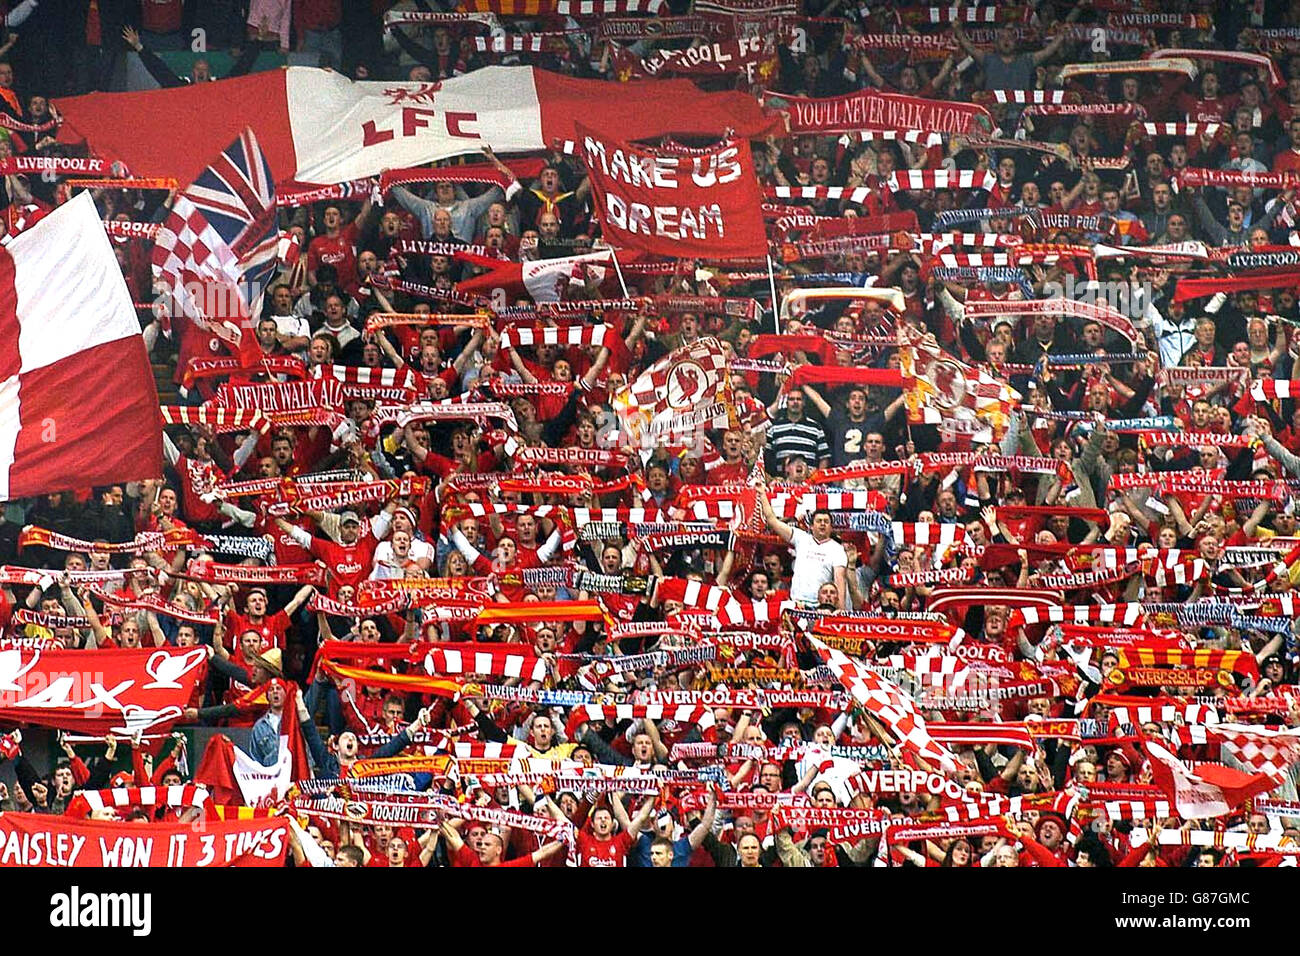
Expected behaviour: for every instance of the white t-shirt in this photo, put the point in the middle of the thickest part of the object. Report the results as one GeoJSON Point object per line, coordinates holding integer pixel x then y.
{"type": "Point", "coordinates": [814, 565]}
{"type": "Point", "coordinates": [386, 564]}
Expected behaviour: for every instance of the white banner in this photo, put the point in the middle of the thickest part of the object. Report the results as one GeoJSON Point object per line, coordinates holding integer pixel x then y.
{"type": "Point", "coordinates": [376, 125]}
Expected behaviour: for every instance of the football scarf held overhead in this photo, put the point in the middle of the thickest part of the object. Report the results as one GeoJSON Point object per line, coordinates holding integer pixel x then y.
{"type": "Point", "coordinates": [1252, 60]}
{"type": "Point", "coordinates": [156, 603]}
{"type": "Point", "coordinates": [639, 28]}
{"type": "Point", "coordinates": [483, 173]}
{"type": "Point", "coordinates": [283, 396]}
{"type": "Point", "coordinates": [407, 683]}
{"type": "Point", "coordinates": [1188, 289]}
{"type": "Point", "coordinates": [1163, 65]}
{"type": "Point", "coordinates": [144, 541]}
{"type": "Point", "coordinates": [524, 612]}
{"type": "Point", "coordinates": [87, 801]}
{"type": "Point", "coordinates": [443, 320]}
{"type": "Point", "coordinates": [246, 574]}
{"type": "Point", "coordinates": [294, 195]}
{"type": "Point", "coordinates": [200, 368]}
{"type": "Point", "coordinates": [1096, 311]}
{"type": "Point", "coordinates": [393, 604]}
{"type": "Point", "coordinates": [837, 375]}
{"type": "Point", "coordinates": [1241, 662]}
{"type": "Point", "coordinates": [352, 493]}
{"type": "Point", "coordinates": [756, 57]}
{"type": "Point", "coordinates": [59, 165]}
{"type": "Point", "coordinates": [492, 660]}
{"type": "Point", "coordinates": [588, 457]}
{"type": "Point", "coordinates": [397, 386]}
{"type": "Point", "coordinates": [581, 336]}
{"type": "Point", "coordinates": [868, 109]}
{"type": "Point", "coordinates": [46, 620]}
{"type": "Point", "coordinates": [220, 419]}
{"type": "Point", "coordinates": [1196, 176]}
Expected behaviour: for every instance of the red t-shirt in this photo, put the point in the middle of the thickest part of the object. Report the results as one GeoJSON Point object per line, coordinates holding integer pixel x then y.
{"type": "Point", "coordinates": [287, 550]}
{"type": "Point", "coordinates": [348, 563]}
{"type": "Point", "coordinates": [339, 251]}
{"type": "Point", "coordinates": [161, 16]}
{"type": "Point", "coordinates": [596, 852]}
{"type": "Point", "coordinates": [197, 478]}
{"type": "Point", "coordinates": [272, 628]}
{"type": "Point", "coordinates": [467, 857]}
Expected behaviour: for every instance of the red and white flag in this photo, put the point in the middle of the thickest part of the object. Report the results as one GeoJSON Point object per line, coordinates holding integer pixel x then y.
{"type": "Point", "coordinates": [1267, 751]}
{"type": "Point", "coordinates": [236, 777]}
{"type": "Point", "coordinates": [1211, 790]}
{"type": "Point", "coordinates": [546, 280]}
{"type": "Point", "coordinates": [939, 389]}
{"type": "Point", "coordinates": [889, 704]}
{"type": "Point", "coordinates": [122, 691]}
{"type": "Point", "coordinates": [317, 126]}
{"type": "Point", "coordinates": [68, 329]}
{"type": "Point", "coordinates": [684, 392]}
{"type": "Point", "coordinates": [673, 203]}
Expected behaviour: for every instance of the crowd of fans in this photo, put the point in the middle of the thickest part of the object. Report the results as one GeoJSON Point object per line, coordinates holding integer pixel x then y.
{"type": "Point", "coordinates": [1109, 180]}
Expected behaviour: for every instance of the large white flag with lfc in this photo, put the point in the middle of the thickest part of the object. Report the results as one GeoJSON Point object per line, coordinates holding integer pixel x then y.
{"type": "Point", "coordinates": [78, 404]}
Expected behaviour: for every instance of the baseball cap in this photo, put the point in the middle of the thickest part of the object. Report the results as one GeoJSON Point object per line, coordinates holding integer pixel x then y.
{"type": "Point", "coordinates": [349, 517]}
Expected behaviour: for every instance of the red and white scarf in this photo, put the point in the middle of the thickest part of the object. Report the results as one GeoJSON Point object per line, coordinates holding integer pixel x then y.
{"type": "Point", "coordinates": [142, 542]}
{"type": "Point", "coordinates": [199, 368]}
{"type": "Point", "coordinates": [252, 574]}
{"type": "Point", "coordinates": [293, 195]}
{"type": "Point", "coordinates": [572, 335]}
{"type": "Point", "coordinates": [1195, 176]}
{"type": "Point", "coordinates": [220, 419]}
{"type": "Point", "coordinates": [928, 179]}
{"type": "Point", "coordinates": [59, 165]}
{"type": "Point", "coordinates": [1181, 129]}
{"type": "Point", "coordinates": [351, 493]}
{"type": "Point", "coordinates": [155, 603]}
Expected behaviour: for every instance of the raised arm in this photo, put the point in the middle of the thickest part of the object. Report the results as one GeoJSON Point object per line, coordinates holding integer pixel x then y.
{"type": "Point", "coordinates": [783, 531]}
{"type": "Point", "coordinates": [706, 822]}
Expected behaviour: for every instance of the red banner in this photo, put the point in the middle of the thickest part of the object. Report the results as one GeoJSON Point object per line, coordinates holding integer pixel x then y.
{"type": "Point", "coordinates": [98, 692]}
{"type": "Point", "coordinates": [705, 203]}
{"type": "Point", "coordinates": [35, 839]}
{"type": "Point", "coordinates": [869, 109]}
{"type": "Point", "coordinates": [755, 57]}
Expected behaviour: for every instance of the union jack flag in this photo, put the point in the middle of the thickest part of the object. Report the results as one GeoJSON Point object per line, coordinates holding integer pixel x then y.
{"type": "Point", "coordinates": [218, 247]}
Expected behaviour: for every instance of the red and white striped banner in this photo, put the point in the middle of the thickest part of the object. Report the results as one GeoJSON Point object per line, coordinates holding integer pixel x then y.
{"type": "Point", "coordinates": [1181, 129]}
{"type": "Point", "coordinates": [851, 194]}
{"type": "Point", "coordinates": [1028, 96]}
{"type": "Point", "coordinates": [572, 335]}
{"type": "Point", "coordinates": [911, 179]}
{"type": "Point", "coordinates": [488, 659]}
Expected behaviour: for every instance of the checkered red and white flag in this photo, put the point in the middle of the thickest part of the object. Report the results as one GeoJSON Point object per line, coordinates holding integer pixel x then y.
{"type": "Point", "coordinates": [1208, 789]}
{"type": "Point", "coordinates": [888, 703]}
{"type": "Point", "coordinates": [1263, 750]}
{"type": "Point", "coordinates": [678, 396]}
